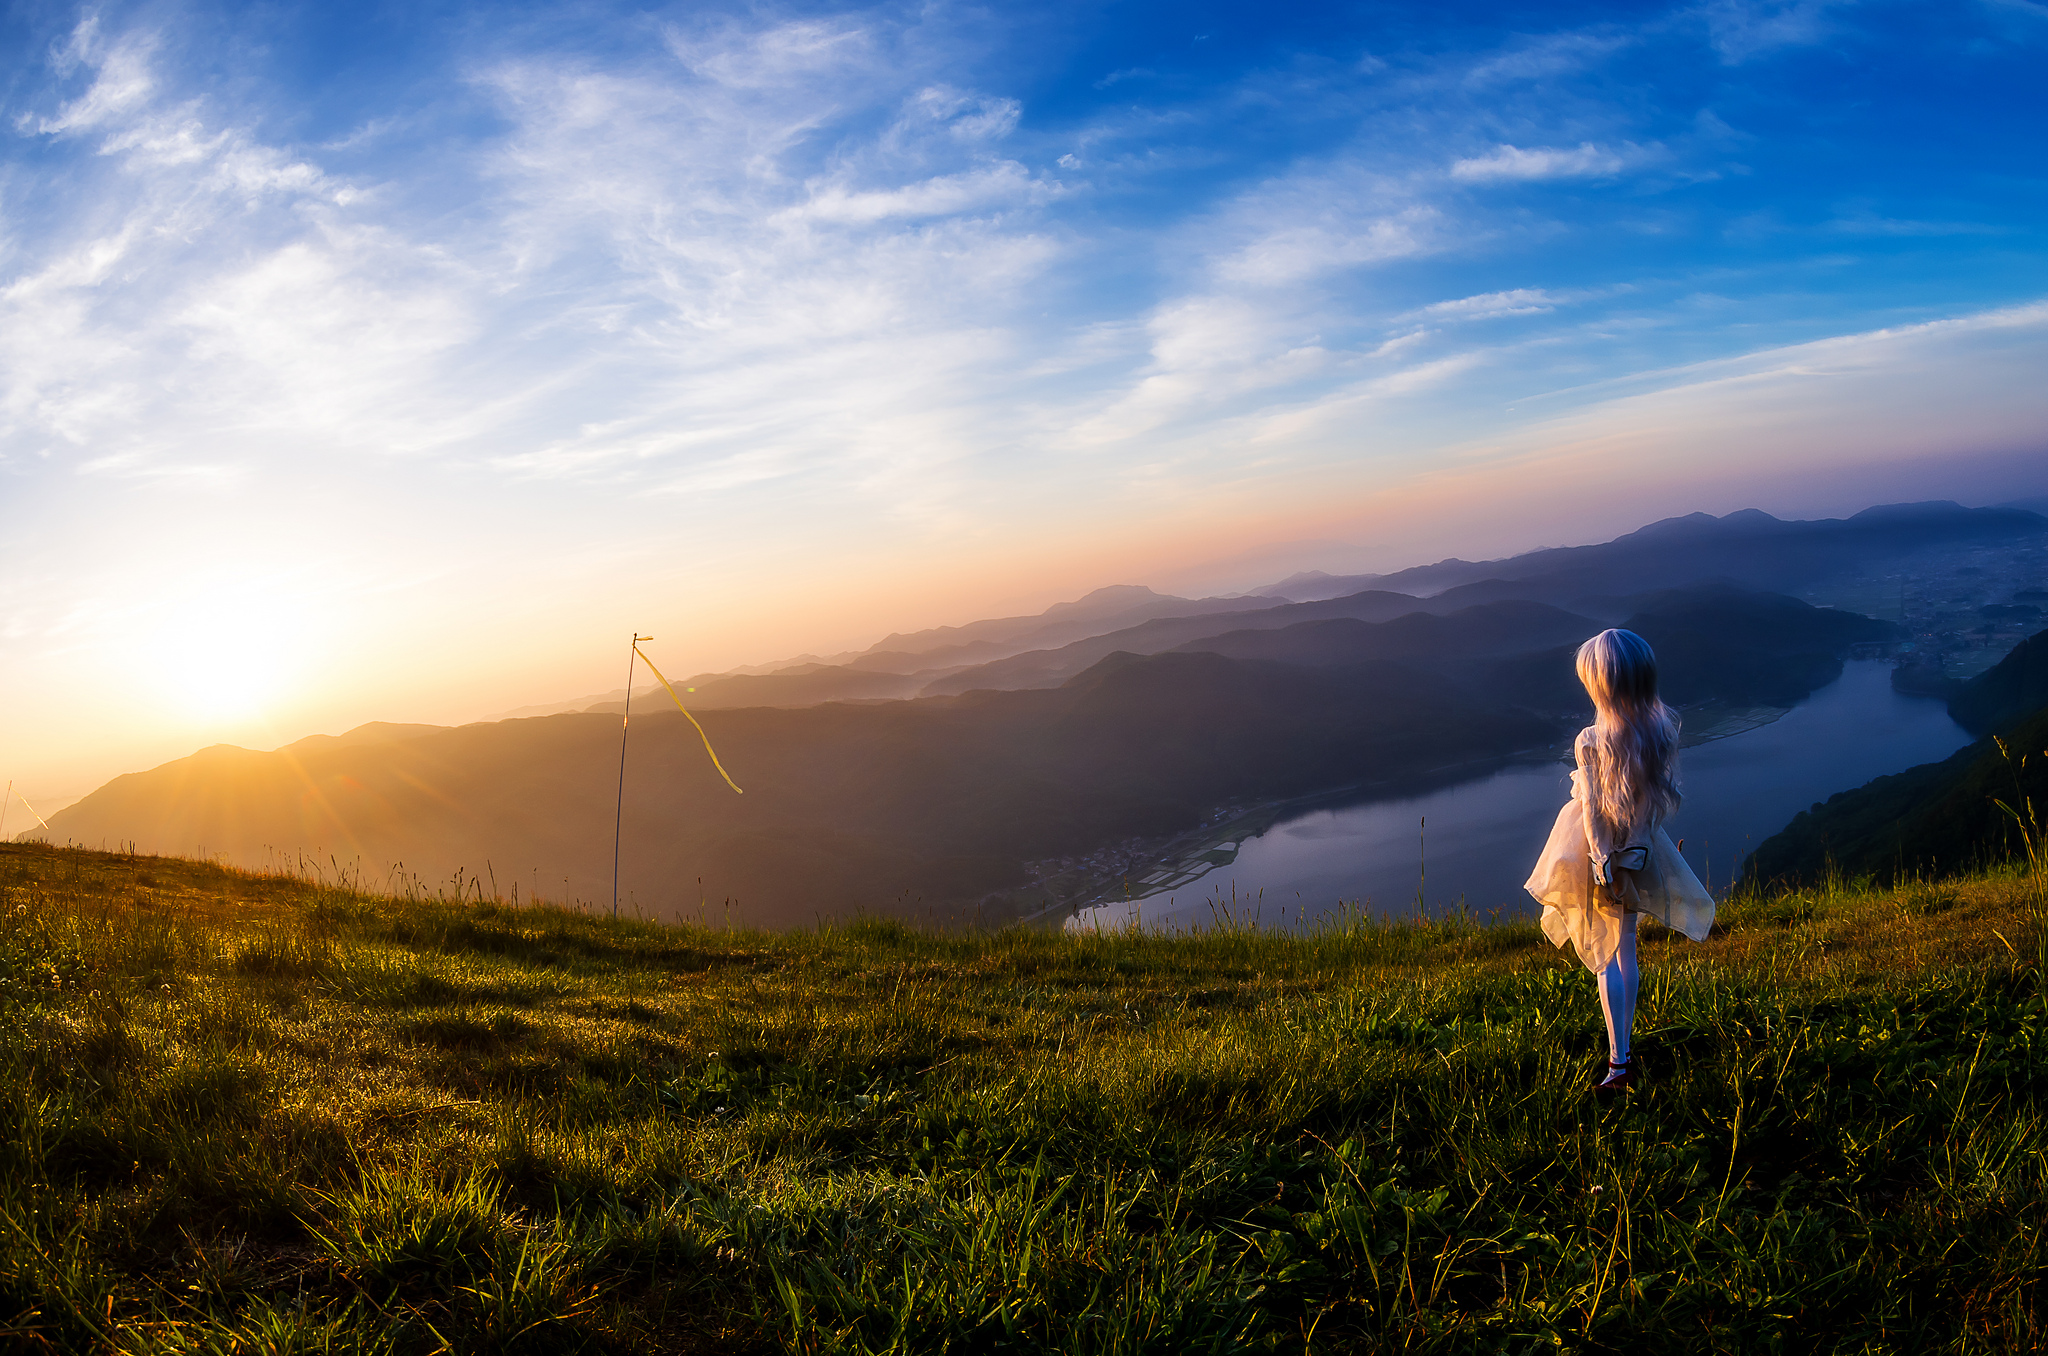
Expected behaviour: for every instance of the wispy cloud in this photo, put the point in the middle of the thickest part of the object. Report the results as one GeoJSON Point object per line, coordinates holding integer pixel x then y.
{"type": "Point", "coordinates": [1583, 161]}
{"type": "Point", "coordinates": [996, 186]}
{"type": "Point", "coordinates": [1129, 73]}
{"type": "Point", "coordinates": [1863, 221]}
{"type": "Point", "coordinates": [1487, 305]}
{"type": "Point", "coordinates": [1742, 29]}
{"type": "Point", "coordinates": [1546, 57]}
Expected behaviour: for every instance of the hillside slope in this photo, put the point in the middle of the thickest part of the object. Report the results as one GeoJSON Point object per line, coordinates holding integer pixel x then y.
{"type": "Point", "coordinates": [930, 807]}
{"type": "Point", "coordinates": [902, 806]}
{"type": "Point", "coordinates": [262, 1115]}
{"type": "Point", "coordinates": [1933, 819]}
{"type": "Point", "coordinates": [2007, 692]}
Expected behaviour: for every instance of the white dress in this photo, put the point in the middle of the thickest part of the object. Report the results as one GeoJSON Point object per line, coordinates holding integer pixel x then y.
{"type": "Point", "coordinates": [1575, 908]}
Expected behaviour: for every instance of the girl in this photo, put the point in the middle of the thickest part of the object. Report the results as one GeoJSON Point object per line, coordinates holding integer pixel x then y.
{"type": "Point", "coordinates": [1608, 862]}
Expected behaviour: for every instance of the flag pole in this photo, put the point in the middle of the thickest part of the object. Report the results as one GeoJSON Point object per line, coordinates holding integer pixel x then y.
{"type": "Point", "coordinates": [619, 815]}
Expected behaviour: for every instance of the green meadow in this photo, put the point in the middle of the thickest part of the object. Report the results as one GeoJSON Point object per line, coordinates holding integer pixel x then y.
{"type": "Point", "coordinates": [255, 1113]}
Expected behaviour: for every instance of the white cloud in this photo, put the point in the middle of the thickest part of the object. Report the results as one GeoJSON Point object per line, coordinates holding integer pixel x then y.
{"type": "Point", "coordinates": [1741, 29]}
{"type": "Point", "coordinates": [216, 299]}
{"type": "Point", "coordinates": [966, 117]}
{"type": "Point", "coordinates": [770, 57]}
{"type": "Point", "coordinates": [999, 185]}
{"type": "Point", "coordinates": [1208, 354]}
{"type": "Point", "coordinates": [1864, 221]}
{"type": "Point", "coordinates": [1487, 305]}
{"type": "Point", "coordinates": [1506, 162]}
{"type": "Point", "coordinates": [122, 79]}
{"type": "Point", "coordinates": [1129, 73]}
{"type": "Point", "coordinates": [794, 297]}
{"type": "Point", "coordinates": [1545, 57]}
{"type": "Point", "coordinates": [1294, 253]}
{"type": "Point", "coordinates": [694, 274]}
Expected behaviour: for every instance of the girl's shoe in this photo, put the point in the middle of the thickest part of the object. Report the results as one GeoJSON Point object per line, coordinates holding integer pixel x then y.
{"type": "Point", "coordinates": [1620, 1078]}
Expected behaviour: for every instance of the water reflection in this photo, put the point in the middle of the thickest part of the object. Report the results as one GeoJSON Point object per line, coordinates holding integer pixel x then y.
{"type": "Point", "coordinates": [1482, 835]}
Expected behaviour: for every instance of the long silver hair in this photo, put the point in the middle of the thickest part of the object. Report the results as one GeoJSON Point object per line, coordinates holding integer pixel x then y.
{"type": "Point", "coordinates": [1635, 735]}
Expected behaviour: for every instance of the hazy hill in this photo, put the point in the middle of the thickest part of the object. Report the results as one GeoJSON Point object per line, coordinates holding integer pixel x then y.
{"type": "Point", "coordinates": [1935, 817]}
{"type": "Point", "coordinates": [1747, 547]}
{"type": "Point", "coordinates": [1106, 609]}
{"type": "Point", "coordinates": [1748, 550]}
{"type": "Point", "coordinates": [2008, 691]}
{"type": "Point", "coordinates": [1049, 668]}
{"type": "Point", "coordinates": [806, 685]}
{"type": "Point", "coordinates": [1421, 638]}
{"type": "Point", "coordinates": [376, 732]}
{"type": "Point", "coordinates": [901, 664]}
{"type": "Point", "coordinates": [1718, 641]}
{"type": "Point", "coordinates": [939, 801]}
{"type": "Point", "coordinates": [1714, 642]}
{"type": "Point", "coordinates": [872, 806]}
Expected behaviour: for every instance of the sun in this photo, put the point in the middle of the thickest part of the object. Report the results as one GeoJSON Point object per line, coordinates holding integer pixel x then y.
{"type": "Point", "coordinates": [217, 657]}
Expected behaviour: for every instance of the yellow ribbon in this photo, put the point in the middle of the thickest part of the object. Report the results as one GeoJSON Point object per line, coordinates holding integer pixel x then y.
{"type": "Point", "coordinates": [46, 823]}
{"type": "Point", "coordinates": [693, 720]}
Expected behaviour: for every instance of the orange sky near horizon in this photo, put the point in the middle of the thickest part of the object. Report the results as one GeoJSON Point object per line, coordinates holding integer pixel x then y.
{"type": "Point", "coordinates": [1820, 430]}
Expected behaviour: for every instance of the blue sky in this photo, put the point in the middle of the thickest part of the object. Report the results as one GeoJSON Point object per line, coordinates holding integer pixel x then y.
{"type": "Point", "coordinates": [383, 361]}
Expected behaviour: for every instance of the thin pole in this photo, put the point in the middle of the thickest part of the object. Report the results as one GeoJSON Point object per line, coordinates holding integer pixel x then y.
{"type": "Point", "coordinates": [1422, 857]}
{"type": "Point", "coordinates": [619, 815]}
{"type": "Point", "coordinates": [3, 809]}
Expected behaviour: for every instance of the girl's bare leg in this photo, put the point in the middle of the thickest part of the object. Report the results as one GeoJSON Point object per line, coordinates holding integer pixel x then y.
{"type": "Point", "coordinates": [1618, 993]}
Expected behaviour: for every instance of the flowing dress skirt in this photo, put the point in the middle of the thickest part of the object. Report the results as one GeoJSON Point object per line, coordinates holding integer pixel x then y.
{"type": "Point", "coordinates": [1575, 909]}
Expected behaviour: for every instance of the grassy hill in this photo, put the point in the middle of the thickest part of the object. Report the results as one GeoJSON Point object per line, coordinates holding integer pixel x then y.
{"type": "Point", "coordinates": [256, 1113]}
{"type": "Point", "coordinates": [1926, 820]}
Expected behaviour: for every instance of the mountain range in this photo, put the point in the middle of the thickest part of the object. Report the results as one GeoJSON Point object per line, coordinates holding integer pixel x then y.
{"type": "Point", "coordinates": [1748, 547]}
{"type": "Point", "coordinates": [1125, 718]}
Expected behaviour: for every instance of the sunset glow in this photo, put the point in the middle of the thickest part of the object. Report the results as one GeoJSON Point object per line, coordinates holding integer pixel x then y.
{"type": "Point", "coordinates": [353, 369]}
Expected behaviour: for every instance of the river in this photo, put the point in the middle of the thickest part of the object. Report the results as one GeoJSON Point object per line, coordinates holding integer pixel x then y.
{"type": "Point", "coordinates": [1472, 843]}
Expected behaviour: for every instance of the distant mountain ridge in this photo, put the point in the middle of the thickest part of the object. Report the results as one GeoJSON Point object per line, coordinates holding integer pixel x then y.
{"type": "Point", "coordinates": [1748, 547]}
{"type": "Point", "coordinates": [902, 664]}
{"type": "Point", "coordinates": [1050, 668]}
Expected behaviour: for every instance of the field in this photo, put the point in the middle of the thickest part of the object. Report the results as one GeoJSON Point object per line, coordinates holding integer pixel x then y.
{"type": "Point", "coordinates": [252, 1113]}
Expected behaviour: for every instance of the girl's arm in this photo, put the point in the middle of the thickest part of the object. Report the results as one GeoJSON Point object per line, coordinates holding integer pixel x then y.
{"type": "Point", "coordinates": [1599, 841]}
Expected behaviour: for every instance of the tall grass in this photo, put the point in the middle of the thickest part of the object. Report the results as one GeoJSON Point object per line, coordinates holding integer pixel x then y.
{"type": "Point", "coordinates": [248, 1113]}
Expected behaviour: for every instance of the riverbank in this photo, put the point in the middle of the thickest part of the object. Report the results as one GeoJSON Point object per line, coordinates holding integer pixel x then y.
{"type": "Point", "coordinates": [250, 1113]}
{"type": "Point", "coordinates": [1143, 868]}
{"type": "Point", "coordinates": [1146, 869]}
{"type": "Point", "coordinates": [1466, 843]}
